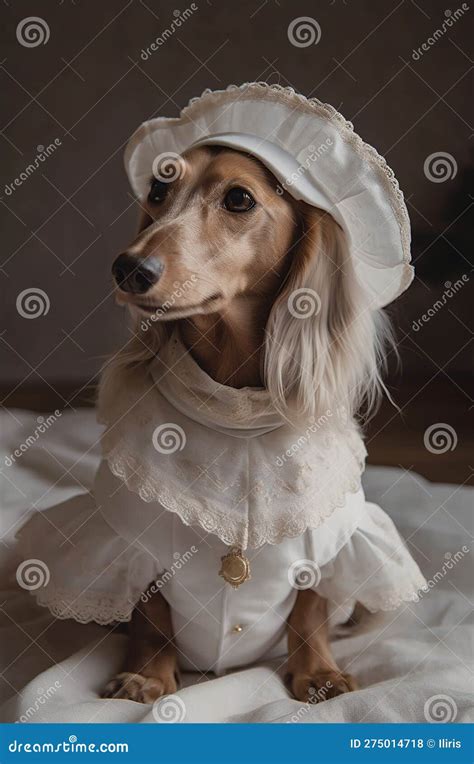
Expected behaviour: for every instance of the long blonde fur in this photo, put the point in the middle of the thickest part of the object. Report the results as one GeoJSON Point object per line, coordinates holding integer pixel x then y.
{"type": "Point", "coordinates": [325, 349]}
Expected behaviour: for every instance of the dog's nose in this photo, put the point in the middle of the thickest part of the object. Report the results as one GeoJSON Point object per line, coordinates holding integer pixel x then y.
{"type": "Point", "coordinates": [134, 275]}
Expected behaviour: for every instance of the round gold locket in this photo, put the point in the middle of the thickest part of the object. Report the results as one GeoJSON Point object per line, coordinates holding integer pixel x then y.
{"type": "Point", "coordinates": [235, 568]}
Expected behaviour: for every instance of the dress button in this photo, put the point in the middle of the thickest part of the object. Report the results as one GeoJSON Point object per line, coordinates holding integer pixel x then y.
{"type": "Point", "coordinates": [237, 629]}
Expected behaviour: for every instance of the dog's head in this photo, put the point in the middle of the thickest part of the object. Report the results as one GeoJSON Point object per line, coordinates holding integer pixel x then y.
{"type": "Point", "coordinates": [216, 231]}
{"type": "Point", "coordinates": [219, 230]}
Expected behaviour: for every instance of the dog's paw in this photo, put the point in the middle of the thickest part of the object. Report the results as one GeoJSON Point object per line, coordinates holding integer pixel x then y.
{"type": "Point", "coordinates": [320, 686]}
{"type": "Point", "coordinates": [142, 689]}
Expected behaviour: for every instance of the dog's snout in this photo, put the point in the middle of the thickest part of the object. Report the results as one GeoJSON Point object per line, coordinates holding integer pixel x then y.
{"type": "Point", "coordinates": [134, 275]}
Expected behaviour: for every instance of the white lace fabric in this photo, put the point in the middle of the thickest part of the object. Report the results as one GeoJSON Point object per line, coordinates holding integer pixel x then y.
{"type": "Point", "coordinates": [192, 467]}
{"type": "Point", "coordinates": [356, 555]}
{"type": "Point", "coordinates": [191, 444]}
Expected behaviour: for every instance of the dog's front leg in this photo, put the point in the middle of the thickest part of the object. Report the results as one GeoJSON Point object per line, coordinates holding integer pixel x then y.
{"type": "Point", "coordinates": [313, 674]}
{"type": "Point", "coordinates": [150, 669]}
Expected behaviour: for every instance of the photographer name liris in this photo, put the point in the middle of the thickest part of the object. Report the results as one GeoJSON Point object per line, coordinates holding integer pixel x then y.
{"type": "Point", "coordinates": [384, 742]}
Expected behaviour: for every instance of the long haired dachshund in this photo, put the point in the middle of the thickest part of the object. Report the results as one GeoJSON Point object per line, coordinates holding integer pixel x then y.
{"type": "Point", "coordinates": [244, 244]}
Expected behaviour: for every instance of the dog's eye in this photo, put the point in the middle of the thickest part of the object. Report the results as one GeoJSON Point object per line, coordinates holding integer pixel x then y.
{"type": "Point", "coordinates": [158, 191]}
{"type": "Point", "coordinates": [238, 200]}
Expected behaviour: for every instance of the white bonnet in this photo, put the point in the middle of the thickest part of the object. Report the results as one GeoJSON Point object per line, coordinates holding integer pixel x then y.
{"type": "Point", "coordinates": [315, 155]}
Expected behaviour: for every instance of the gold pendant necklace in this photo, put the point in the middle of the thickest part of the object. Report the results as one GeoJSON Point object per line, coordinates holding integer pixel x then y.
{"type": "Point", "coordinates": [235, 568]}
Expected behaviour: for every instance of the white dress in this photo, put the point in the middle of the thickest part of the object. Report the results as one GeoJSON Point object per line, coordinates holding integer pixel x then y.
{"type": "Point", "coordinates": [192, 468]}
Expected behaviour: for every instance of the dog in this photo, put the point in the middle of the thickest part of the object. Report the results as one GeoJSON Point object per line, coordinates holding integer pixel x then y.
{"type": "Point", "coordinates": [227, 226]}
{"type": "Point", "coordinates": [256, 284]}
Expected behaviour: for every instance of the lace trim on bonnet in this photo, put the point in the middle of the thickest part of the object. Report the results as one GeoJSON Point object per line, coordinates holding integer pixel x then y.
{"type": "Point", "coordinates": [345, 128]}
{"type": "Point", "coordinates": [287, 95]}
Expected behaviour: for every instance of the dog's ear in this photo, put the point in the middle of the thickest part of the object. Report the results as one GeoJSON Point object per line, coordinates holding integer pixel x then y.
{"type": "Point", "coordinates": [324, 345]}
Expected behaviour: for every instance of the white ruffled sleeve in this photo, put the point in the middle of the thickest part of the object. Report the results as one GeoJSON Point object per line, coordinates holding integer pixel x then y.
{"type": "Point", "coordinates": [373, 568]}
{"type": "Point", "coordinates": [75, 563]}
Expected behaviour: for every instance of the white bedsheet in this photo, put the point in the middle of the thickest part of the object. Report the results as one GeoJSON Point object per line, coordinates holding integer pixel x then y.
{"type": "Point", "coordinates": [52, 671]}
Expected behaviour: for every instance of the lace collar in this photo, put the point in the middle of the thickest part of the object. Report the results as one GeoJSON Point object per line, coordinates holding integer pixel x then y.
{"type": "Point", "coordinates": [222, 458]}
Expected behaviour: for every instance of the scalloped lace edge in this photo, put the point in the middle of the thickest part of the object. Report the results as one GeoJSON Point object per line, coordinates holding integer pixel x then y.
{"type": "Point", "coordinates": [345, 129]}
{"type": "Point", "coordinates": [91, 608]}
{"type": "Point", "coordinates": [392, 600]}
{"type": "Point", "coordinates": [106, 610]}
{"type": "Point", "coordinates": [150, 485]}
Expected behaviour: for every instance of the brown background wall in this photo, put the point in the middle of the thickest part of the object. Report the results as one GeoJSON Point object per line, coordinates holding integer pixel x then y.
{"type": "Point", "coordinates": [88, 88]}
